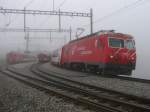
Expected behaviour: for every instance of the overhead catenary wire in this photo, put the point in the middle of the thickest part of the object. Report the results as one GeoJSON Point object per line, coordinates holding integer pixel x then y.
{"type": "Point", "coordinates": [134, 4]}
{"type": "Point", "coordinates": [61, 4]}
{"type": "Point", "coordinates": [119, 10]}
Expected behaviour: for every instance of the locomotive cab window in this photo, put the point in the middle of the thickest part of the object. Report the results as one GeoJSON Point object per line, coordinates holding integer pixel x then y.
{"type": "Point", "coordinates": [130, 44]}
{"type": "Point", "coordinates": [114, 42]}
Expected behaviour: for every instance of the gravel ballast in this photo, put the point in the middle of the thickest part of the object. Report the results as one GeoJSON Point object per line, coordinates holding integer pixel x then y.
{"type": "Point", "coordinates": [129, 87]}
{"type": "Point", "coordinates": [17, 97]}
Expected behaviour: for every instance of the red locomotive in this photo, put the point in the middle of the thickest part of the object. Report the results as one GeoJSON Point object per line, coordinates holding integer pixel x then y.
{"type": "Point", "coordinates": [42, 58]}
{"type": "Point", "coordinates": [14, 57]}
{"type": "Point", "coordinates": [18, 57]}
{"type": "Point", "coordinates": [106, 52]}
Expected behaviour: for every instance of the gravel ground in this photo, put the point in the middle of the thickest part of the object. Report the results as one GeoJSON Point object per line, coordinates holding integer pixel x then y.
{"type": "Point", "coordinates": [17, 97]}
{"type": "Point", "coordinates": [129, 87]}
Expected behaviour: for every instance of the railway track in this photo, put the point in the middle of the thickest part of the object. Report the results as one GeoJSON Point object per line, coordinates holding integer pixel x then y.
{"type": "Point", "coordinates": [43, 86]}
{"type": "Point", "coordinates": [96, 91]}
{"type": "Point", "coordinates": [118, 77]}
{"type": "Point", "coordinates": [127, 78]}
{"type": "Point", "coordinates": [97, 98]}
{"type": "Point", "coordinates": [133, 79]}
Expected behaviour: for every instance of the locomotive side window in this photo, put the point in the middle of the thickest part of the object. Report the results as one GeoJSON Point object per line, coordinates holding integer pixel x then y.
{"type": "Point", "coordinates": [130, 44]}
{"type": "Point", "coordinates": [114, 42]}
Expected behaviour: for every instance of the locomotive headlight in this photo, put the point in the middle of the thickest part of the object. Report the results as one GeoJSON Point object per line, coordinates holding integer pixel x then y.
{"type": "Point", "coordinates": [111, 56]}
{"type": "Point", "coordinates": [132, 58]}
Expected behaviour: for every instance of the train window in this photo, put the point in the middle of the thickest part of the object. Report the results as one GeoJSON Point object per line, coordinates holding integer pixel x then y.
{"type": "Point", "coordinates": [114, 42]}
{"type": "Point", "coordinates": [130, 44]}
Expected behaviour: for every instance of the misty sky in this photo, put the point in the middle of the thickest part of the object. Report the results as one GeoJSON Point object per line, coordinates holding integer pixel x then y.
{"type": "Point", "coordinates": [134, 20]}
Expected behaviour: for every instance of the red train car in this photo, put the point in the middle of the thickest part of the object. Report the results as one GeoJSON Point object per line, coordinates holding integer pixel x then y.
{"type": "Point", "coordinates": [14, 57]}
{"type": "Point", "coordinates": [42, 58]}
{"type": "Point", "coordinates": [106, 52]}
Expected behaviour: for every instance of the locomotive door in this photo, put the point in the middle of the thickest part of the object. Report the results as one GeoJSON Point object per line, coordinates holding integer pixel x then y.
{"type": "Point", "coordinates": [101, 49]}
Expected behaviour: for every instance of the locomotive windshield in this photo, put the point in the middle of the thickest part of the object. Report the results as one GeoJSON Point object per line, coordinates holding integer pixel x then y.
{"type": "Point", "coordinates": [130, 44]}
{"type": "Point", "coordinates": [114, 42]}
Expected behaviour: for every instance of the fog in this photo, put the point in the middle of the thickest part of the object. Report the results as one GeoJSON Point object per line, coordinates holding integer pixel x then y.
{"type": "Point", "coordinates": [132, 19]}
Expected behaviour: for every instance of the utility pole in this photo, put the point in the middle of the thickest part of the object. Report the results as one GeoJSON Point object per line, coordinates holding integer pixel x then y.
{"type": "Point", "coordinates": [59, 21]}
{"type": "Point", "coordinates": [24, 19]}
{"type": "Point", "coordinates": [26, 32]}
{"type": "Point", "coordinates": [50, 36]}
{"type": "Point", "coordinates": [91, 20]}
{"type": "Point", "coordinates": [27, 42]}
{"type": "Point", "coordinates": [53, 5]}
{"type": "Point", "coordinates": [70, 33]}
